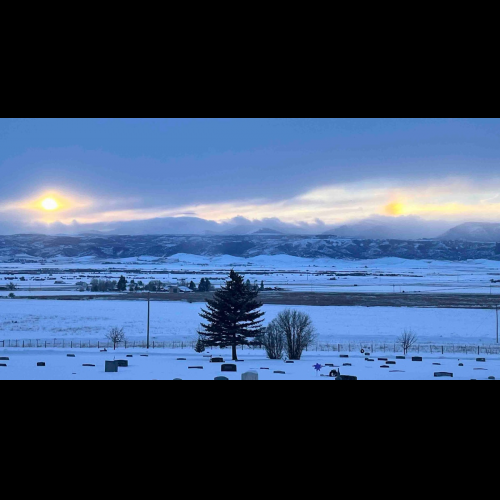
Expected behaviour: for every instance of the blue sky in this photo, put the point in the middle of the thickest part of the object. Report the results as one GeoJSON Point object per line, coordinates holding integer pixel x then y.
{"type": "Point", "coordinates": [297, 170]}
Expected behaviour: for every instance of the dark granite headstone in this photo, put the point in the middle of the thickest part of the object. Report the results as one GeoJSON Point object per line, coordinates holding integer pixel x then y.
{"type": "Point", "coordinates": [280, 373]}
{"type": "Point", "coordinates": [347, 364]}
{"type": "Point", "coordinates": [344, 355]}
{"type": "Point", "coordinates": [40, 364]}
{"type": "Point", "coordinates": [217, 360]}
{"type": "Point", "coordinates": [111, 367]}
{"type": "Point", "coordinates": [346, 377]}
{"type": "Point", "coordinates": [3, 365]}
{"type": "Point", "coordinates": [390, 362]}
{"type": "Point", "coordinates": [70, 356]}
{"type": "Point", "coordinates": [400, 357]}
{"type": "Point", "coordinates": [88, 365]}
{"type": "Point", "coordinates": [384, 366]}
{"type": "Point", "coordinates": [221, 378]}
{"type": "Point", "coordinates": [195, 368]}
{"type": "Point", "coordinates": [4, 359]}
{"type": "Point", "coordinates": [481, 360]}
{"type": "Point", "coordinates": [416, 358]}
{"type": "Point", "coordinates": [229, 368]}
{"type": "Point", "coordinates": [443, 374]}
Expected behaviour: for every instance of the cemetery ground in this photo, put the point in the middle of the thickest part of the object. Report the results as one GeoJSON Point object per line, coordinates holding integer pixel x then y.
{"type": "Point", "coordinates": [83, 364]}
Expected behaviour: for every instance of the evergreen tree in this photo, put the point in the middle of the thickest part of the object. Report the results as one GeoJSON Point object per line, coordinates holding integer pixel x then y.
{"type": "Point", "coordinates": [208, 285]}
{"type": "Point", "coordinates": [233, 317]}
{"type": "Point", "coordinates": [122, 284]}
{"type": "Point", "coordinates": [192, 286]}
{"type": "Point", "coordinates": [262, 287]}
{"type": "Point", "coordinates": [200, 346]}
{"type": "Point", "coordinates": [248, 284]}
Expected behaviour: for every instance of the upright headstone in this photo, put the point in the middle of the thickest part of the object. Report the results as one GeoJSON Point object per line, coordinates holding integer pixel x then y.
{"type": "Point", "coordinates": [111, 367]}
{"type": "Point", "coordinates": [250, 376]}
{"type": "Point", "coordinates": [229, 368]}
{"type": "Point", "coordinates": [221, 378]}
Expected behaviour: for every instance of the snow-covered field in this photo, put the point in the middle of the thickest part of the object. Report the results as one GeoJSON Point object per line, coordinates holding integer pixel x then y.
{"type": "Point", "coordinates": [282, 271]}
{"type": "Point", "coordinates": [164, 365]}
{"type": "Point", "coordinates": [179, 321]}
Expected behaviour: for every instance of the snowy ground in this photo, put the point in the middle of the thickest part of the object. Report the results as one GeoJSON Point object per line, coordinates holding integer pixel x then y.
{"type": "Point", "coordinates": [22, 365]}
{"type": "Point", "coordinates": [282, 271]}
{"type": "Point", "coordinates": [179, 321]}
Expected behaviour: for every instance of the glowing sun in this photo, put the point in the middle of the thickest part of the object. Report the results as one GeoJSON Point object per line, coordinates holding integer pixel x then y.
{"type": "Point", "coordinates": [395, 209]}
{"type": "Point", "coordinates": [50, 204]}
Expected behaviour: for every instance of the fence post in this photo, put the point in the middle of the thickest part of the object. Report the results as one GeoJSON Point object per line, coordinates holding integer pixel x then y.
{"type": "Point", "coordinates": [442, 350]}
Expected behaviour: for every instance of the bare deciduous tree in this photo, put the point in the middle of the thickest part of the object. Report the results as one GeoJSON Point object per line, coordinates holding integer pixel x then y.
{"type": "Point", "coordinates": [274, 341]}
{"type": "Point", "coordinates": [298, 330]}
{"type": "Point", "coordinates": [408, 339]}
{"type": "Point", "coordinates": [116, 335]}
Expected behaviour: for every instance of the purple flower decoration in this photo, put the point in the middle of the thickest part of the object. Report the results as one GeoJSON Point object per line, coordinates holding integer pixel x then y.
{"type": "Point", "coordinates": [317, 367]}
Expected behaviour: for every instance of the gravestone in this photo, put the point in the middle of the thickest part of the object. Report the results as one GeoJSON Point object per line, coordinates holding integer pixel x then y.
{"type": "Point", "coordinates": [40, 364]}
{"type": "Point", "coordinates": [195, 368]}
{"type": "Point", "coordinates": [346, 377]}
{"type": "Point", "coordinates": [221, 378]}
{"type": "Point", "coordinates": [144, 355]}
{"type": "Point", "coordinates": [400, 357]}
{"type": "Point", "coordinates": [70, 356]}
{"type": "Point", "coordinates": [280, 373]}
{"type": "Point", "coordinates": [481, 360]}
{"type": "Point", "coordinates": [290, 362]}
{"type": "Point", "coordinates": [417, 358]}
{"type": "Point", "coordinates": [90, 366]}
{"type": "Point", "coordinates": [330, 365]}
{"type": "Point", "coordinates": [130, 356]}
{"type": "Point", "coordinates": [229, 368]}
{"type": "Point", "coordinates": [460, 364]}
{"type": "Point", "coordinates": [390, 362]}
{"type": "Point", "coordinates": [104, 350]}
{"type": "Point", "coordinates": [443, 374]}
{"type": "Point", "coordinates": [4, 359]}
{"type": "Point", "coordinates": [344, 355]}
{"type": "Point", "coordinates": [436, 364]}
{"type": "Point", "coordinates": [383, 359]}
{"type": "Point", "coordinates": [491, 378]}
{"type": "Point", "coordinates": [347, 364]}
{"type": "Point", "coordinates": [384, 366]}
{"type": "Point", "coordinates": [367, 354]}
{"type": "Point", "coordinates": [250, 376]}
{"type": "Point", "coordinates": [3, 365]}
{"type": "Point", "coordinates": [217, 360]}
{"type": "Point", "coordinates": [370, 360]}
{"type": "Point", "coordinates": [111, 367]}
{"type": "Point", "coordinates": [264, 368]}
{"type": "Point", "coordinates": [122, 363]}
{"type": "Point", "coordinates": [177, 379]}
{"type": "Point", "coordinates": [181, 359]}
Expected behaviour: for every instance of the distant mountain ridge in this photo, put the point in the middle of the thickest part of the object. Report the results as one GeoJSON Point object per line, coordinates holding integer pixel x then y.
{"type": "Point", "coordinates": [474, 231]}
{"type": "Point", "coordinates": [21, 248]}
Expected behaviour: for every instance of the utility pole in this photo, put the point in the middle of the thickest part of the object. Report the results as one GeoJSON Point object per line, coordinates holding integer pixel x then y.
{"type": "Point", "coordinates": [497, 324]}
{"type": "Point", "coordinates": [149, 313]}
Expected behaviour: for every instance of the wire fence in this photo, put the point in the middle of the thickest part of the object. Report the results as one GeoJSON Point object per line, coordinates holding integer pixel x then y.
{"type": "Point", "coordinates": [352, 347]}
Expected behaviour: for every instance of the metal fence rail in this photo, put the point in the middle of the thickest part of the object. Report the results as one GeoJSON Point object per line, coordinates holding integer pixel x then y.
{"type": "Point", "coordinates": [352, 347]}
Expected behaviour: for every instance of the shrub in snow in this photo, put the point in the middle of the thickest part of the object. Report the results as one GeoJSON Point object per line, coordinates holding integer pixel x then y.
{"type": "Point", "coordinates": [116, 335]}
{"type": "Point", "coordinates": [298, 330]}
{"type": "Point", "coordinates": [274, 341]}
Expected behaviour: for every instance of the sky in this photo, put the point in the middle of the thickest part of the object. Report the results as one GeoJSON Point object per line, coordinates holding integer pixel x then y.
{"type": "Point", "coordinates": [213, 174]}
